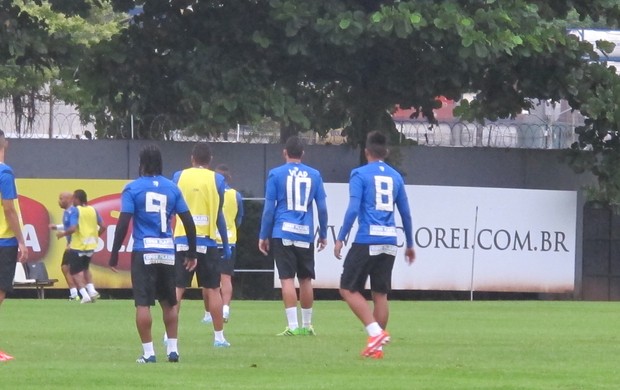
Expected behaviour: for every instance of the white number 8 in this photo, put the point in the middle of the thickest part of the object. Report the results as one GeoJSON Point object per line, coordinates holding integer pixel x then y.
{"type": "Point", "coordinates": [384, 193]}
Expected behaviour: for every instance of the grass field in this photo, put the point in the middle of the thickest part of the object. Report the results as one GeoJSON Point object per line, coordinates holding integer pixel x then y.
{"type": "Point", "coordinates": [435, 345]}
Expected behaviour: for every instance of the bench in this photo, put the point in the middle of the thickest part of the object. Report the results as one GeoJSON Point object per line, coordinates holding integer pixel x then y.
{"type": "Point", "coordinates": [35, 277]}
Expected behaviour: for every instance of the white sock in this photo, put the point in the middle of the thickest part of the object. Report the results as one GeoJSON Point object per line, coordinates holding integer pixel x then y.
{"type": "Point", "coordinates": [291, 316]}
{"type": "Point", "coordinates": [219, 335]}
{"type": "Point", "coordinates": [171, 346]}
{"type": "Point", "coordinates": [73, 292]}
{"type": "Point", "coordinates": [148, 349]}
{"type": "Point", "coordinates": [84, 294]}
{"type": "Point", "coordinates": [91, 288]}
{"type": "Point", "coordinates": [226, 310]}
{"type": "Point", "coordinates": [306, 317]}
{"type": "Point", "coordinates": [373, 329]}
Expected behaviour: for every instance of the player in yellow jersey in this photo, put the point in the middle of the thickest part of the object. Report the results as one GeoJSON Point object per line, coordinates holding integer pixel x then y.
{"type": "Point", "coordinates": [85, 226]}
{"type": "Point", "coordinates": [203, 191]}
{"type": "Point", "coordinates": [233, 214]}
{"type": "Point", "coordinates": [12, 244]}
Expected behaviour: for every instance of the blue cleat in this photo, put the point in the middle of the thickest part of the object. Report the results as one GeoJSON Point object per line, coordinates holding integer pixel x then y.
{"type": "Point", "coordinates": [173, 357]}
{"type": "Point", "coordinates": [221, 344]}
{"type": "Point", "coordinates": [144, 359]}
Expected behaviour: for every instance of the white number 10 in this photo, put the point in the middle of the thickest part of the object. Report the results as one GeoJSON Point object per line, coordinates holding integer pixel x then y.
{"type": "Point", "coordinates": [297, 193]}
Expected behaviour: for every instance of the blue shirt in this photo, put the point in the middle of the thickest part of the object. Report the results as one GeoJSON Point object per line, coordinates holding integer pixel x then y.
{"type": "Point", "coordinates": [374, 189]}
{"type": "Point", "coordinates": [152, 200]}
{"type": "Point", "coordinates": [66, 220]}
{"type": "Point", "coordinates": [8, 191]}
{"type": "Point", "coordinates": [290, 192]}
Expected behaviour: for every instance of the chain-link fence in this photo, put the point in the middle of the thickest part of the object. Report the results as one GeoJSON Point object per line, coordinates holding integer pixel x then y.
{"type": "Point", "coordinates": [503, 134]}
{"type": "Point", "coordinates": [58, 121]}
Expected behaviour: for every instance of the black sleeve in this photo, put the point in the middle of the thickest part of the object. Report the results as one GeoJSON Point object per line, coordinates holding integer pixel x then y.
{"type": "Point", "coordinates": [119, 236]}
{"type": "Point", "coordinates": [190, 231]}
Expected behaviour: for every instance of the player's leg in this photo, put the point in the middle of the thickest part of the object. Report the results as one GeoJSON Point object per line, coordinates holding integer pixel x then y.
{"type": "Point", "coordinates": [64, 267]}
{"type": "Point", "coordinates": [8, 262]}
{"type": "Point", "coordinates": [227, 269]}
{"type": "Point", "coordinates": [143, 285]}
{"type": "Point", "coordinates": [166, 293]}
{"type": "Point", "coordinates": [90, 286]}
{"type": "Point", "coordinates": [144, 322]}
{"type": "Point", "coordinates": [77, 268]}
{"type": "Point", "coordinates": [305, 274]}
{"type": "Point", "coordinates": [286, 262]}
{"type": "Point", "coordinates": [206, 319]}
{"type": "Point", "coordinates": [380, 285]}
{"type": "Point", "coordinates": [354, 274]}
{"type": "Point", "coordinates": [182, 280]}
{"type": "Point", "coordinates": [226, 291]}
{"type": "Point", "coordinates": [209, 279]}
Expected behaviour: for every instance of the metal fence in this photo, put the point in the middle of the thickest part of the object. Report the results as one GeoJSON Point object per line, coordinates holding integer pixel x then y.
{"type": "Point", "coordinates": [493, 134]}
{"type": "Point", "coordinates": [58, 122]}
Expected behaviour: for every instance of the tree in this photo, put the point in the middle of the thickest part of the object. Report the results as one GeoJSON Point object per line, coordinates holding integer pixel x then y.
{"type": "Point", "coordinates": [41, 43]}
{"type": "Point", "coordinates": [324, 64]}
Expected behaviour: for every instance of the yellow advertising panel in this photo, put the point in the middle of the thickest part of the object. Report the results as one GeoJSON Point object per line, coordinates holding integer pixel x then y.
{"type": "Point", "coordinates": [38, 200]}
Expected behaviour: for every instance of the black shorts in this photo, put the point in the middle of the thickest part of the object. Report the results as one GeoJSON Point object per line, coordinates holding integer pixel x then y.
{"type": "Point", "coordinates": [152, 282]}
{"type": "Point", "coordinates": [292, 260]}
{"type": "Point", "coordinates": [360, 264]}
{"type": "Point", "coordinates": [8, 261]}
{"type": "Point", "coordinates": [66, 257]}
{"type": "Point", "coordinates": [227, 267]}
{"type": "Point", "coordinates": [78, 261]}
{"type": "Point", "coordinates": [207, 269]}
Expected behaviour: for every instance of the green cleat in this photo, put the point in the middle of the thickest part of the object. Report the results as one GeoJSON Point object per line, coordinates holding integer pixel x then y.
{"type": "Point", "coordinates": [308, 331]}
{"type": "Point", "coordinates": [290, 332]}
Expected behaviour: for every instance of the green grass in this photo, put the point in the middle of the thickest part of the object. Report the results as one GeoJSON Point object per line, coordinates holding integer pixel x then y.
{"type": "Point", "coordinates": [435, 345]}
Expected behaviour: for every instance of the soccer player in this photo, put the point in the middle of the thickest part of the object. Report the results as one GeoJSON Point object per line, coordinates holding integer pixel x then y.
{"type": "Point", "coordinates": [151, 200]}
{"type": "Point", "coordinates": [12, 244]}
{"type": "Point", "coordinates": [83, 230]}
{"type": "Point", "coordinates": [288, 221]}
{"type": "Point", "coordinates": [373, 190]}
{"type": "Point", "coordinates": [233, 214]}
{"type": "Point", "coordinates": [203, 190]}
{"type": "Point", "coordinates": [65, 201]}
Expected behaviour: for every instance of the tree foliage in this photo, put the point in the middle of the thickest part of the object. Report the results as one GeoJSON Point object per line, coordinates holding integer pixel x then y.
{"type": "Point", "coordinates": [210, 64]}
{"type": "Point", "coordinates": [41, 44]}
{"type": "Point", "coordinates": [341, 63]}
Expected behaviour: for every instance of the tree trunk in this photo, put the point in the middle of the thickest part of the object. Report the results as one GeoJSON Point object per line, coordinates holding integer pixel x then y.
{"type": "Point", "coordinates": [286, 131]}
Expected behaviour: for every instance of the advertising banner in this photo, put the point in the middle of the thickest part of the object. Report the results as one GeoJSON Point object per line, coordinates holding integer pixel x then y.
{"type": "Point", "coordinates": [481, 239]}
{"type": "Point", "coordinates": [38, 200]}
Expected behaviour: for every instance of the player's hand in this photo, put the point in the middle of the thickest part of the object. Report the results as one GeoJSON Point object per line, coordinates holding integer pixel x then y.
{"type": "Point", "coordinates": [60, 235]}
{"type": "Point", "coordinates": [321, 243]}
{"type": "Point", "coordinates": [410, 255]}
{"type": "Point", "coordinates": [338, 249]}
{"type": "Point", "coordinates": [190, 263]}
{"type": "Point", "coordinates": [113, 262]}
{"type": "Point", "coordinates": [226, 252]}
{"type": "Point", "coordinates": [51, 226]}
{"type": "Point", "coordinates": [23, 253]}
{"type": "Point", "coordinates": [263, 246]}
